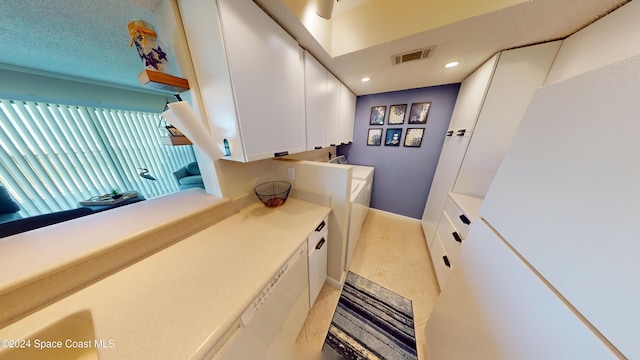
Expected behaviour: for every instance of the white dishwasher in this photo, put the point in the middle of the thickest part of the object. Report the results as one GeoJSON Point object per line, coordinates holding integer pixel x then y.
{"type": "Point", "coordinates": [268, 328]}
{"type": "Point", "coordinates": [317, 243]}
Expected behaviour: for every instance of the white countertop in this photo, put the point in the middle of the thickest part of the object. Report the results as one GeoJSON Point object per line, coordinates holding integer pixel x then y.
{"type": "Point", "coordinates": [171, 303]}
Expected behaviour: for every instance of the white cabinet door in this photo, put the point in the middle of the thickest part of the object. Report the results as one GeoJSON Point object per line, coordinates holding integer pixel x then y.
{"type": "Point", "coordinates": [471, 96]}
{"type": "Point", "coordinates": [333, 110]}
{"type": "Point", "coordinates": [440, 260]}
{"type": "Point", "coordinates": [267, 73]}
{"type": "Point", "coordinates": [347, 114]}
{"type": "Point", "coordinates": [451, 157]}
{"type": "Point", "coordinates": [493, 307]}
{"type": "Point", "coordinates": [315, 83]}
{"type": "Point", "coordinates": [518, 74]}
{"type": "Point", "coordinates": [251, 76]}
{"type": "Point", "coordinates": [566, 196]}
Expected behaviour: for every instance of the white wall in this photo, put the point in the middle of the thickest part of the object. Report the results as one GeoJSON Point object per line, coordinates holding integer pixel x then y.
{"type": "Point", "coordinates": [610, 39]}
{"type": "Point", "coordinates": [325, 179]}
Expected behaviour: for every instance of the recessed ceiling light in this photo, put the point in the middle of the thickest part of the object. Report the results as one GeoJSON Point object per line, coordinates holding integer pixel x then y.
{"type": "Point", "coordinates": [452, 64]}
{"type": "Point", "coordinates": [365, 79]}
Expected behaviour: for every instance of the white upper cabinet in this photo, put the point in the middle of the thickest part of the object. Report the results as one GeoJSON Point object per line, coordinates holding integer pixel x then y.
{"type": "Point", "coordinates": [347, 114]}
{"type": "Point", "coordinates": [471, 96]}
{"type": "Point", "coordinates": [333, 109]}
{"type": "Point", "coordinates": [250, 73]}
{"type": "Point", "coordinates": [330, 106]}
{"type": "Point", "coordinates": [315, 83]}
{"type": "Point", "coordinates": [518, 74]}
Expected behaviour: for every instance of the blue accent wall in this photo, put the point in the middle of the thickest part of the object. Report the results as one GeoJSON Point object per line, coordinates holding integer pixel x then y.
{"type": "Point", "coordinates": [403, 175]}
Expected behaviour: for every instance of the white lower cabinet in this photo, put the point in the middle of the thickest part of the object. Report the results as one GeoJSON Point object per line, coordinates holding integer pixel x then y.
{"type": "Point", "coordinates": [269, 327]}
{"type": "Point", "coordinates": [441, 262]}
{"type": "Point", "coordinates": [495, 307]}
{"type": "Point", "coordinates": [452, 230]}
{"type": "Point", "coordinates": [318, 243]}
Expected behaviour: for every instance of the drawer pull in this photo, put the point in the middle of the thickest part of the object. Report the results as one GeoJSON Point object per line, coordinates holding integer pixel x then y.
{"type": "Point", "coordinates": [465, 219]}
{"type": "Point", "coordinates": [450, 133]}
{"type": "Point", "coordinates": [456, 236]}
{"type": "Point", "coordinates": [461, 132]}
{"type": "Point", "coordinates": [446, 261]}
{"type": "Point", "coordinates": [320, 244]}
{"type": "Point", "coordinates": [321, 226]}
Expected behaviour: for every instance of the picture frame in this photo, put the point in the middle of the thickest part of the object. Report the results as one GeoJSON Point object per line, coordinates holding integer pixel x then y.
{"type": "Point", "coordinates": [396, 114]}
{"type": "Point", "coordinates": [377, 115]}
{"type": "Point", "coordinates": [419, 113]}
{"type": "Point", "coordinates": [413, 138]}
{"type": "Point", "coordinates": [374, 138]}
{"type": "Point", "coordinates": [393, 136]}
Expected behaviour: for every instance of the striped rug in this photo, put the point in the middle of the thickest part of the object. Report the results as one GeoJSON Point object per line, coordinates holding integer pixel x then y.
{"type": "Point", "coordinates": [370, 322]}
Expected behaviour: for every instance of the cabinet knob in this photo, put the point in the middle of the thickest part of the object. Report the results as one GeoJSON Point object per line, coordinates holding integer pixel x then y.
{"type": "Point", "coordinates": [446, 261]}
{"type": "Point", "coordinates": [456, 236]}
{"type": "Point", "coordinates": [464, 219]}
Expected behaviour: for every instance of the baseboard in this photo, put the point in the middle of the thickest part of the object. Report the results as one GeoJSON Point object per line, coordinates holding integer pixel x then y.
{"type": "Point", "coordinates": [337, 284]}
{"type": "Point", "coordinates": [396, 215]}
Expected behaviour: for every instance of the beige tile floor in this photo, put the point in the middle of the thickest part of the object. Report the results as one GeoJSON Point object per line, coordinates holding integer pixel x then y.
{"type": "Point", "coordinates": [393, 253]}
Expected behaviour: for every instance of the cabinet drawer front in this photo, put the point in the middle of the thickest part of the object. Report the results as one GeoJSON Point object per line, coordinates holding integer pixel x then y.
{"type": "Point", "coordinates": [451, 239]}
{"type": "Point", "coordinates": [441, 262]}
{"type": "Point", "coordinates": [458, 218]}
{"type": "Point", "coordinates": [318, 233]}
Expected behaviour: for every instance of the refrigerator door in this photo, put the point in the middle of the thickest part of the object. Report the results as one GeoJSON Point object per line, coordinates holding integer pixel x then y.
{"type": "Point", "coordinates": [494, 307]}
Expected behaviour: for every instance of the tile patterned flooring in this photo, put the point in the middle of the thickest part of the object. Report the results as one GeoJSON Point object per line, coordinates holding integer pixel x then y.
{"type": "Point", "coordinates": [393, 253]}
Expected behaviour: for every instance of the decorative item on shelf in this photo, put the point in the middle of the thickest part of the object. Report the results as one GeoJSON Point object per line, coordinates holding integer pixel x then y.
{"type": "Point", "coordinates": [115, 193]}
{"type": "Point", "coordinates": [150, 50]}
{"type": "Point", "coordinates": [169, 134]}
{"type": "Point", "coordinates": [273, 193]}
{"type": "Point", "coordinates": [156, 73]}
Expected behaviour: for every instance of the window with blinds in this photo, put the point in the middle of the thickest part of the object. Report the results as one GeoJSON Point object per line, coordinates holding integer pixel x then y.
{"type": "Point", "coordinates": [54, 156]}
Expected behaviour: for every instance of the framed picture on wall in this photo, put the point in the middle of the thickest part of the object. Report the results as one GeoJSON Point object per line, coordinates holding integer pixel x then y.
{"type": "Point", "coordinates": [413, 138]}
{"type": "Point", "coordinates": [396, 114]}
{"type": "Point", "coordinates": [419, 112]}
{"type": "Point", "coordinates": [377, 115]}
{"type": "Point", "coordinates": [392, 137]}
{"type": "Point", "coordinates": [375, 137]}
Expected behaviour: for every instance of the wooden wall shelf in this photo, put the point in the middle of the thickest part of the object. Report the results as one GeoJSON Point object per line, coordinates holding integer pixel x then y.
{"type": "Point", "coordinates": [162, 81]}
{"type": "Point", "coordinates": [176, 140]}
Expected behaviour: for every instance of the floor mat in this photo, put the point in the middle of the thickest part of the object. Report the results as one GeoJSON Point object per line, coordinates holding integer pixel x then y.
{"type": "Point", "coordinates": [370, 322]}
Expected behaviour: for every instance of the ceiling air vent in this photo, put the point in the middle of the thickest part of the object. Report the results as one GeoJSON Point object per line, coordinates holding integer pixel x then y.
{"type": "Point", "coordinates": [411, 56]}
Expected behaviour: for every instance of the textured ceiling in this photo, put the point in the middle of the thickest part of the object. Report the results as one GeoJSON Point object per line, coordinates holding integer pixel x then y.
{"type": "Point", "coordinates": [88, 39]}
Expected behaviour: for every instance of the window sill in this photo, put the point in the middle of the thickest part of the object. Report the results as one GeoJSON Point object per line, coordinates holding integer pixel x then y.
{"type": "Point", "coordinates": [47, 264]}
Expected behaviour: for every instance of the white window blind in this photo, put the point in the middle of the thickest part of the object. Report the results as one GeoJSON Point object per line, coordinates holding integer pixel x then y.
{"type": "Point", "coordinates": [54, 156]}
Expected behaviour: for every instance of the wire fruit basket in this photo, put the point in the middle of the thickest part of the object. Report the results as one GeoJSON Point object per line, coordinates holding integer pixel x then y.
{"type": "Point", "coordinates": [273, 193]}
